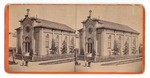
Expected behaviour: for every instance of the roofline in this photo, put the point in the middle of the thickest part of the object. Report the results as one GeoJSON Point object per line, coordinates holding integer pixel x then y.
{"type": "Point", "coordinates": [53, 28]}
{"type": "Point", "coordinates": [18, 28]}
{"type": "Point", "coordinates": [112, 29]}
{"type": "Point", "coordinates": [80, 29]}
{"type": "Point", "coordinates": [117, 30]}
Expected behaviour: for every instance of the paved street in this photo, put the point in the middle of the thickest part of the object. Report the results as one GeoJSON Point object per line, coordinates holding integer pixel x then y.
{"type": "Point", "coordinates": [47, 66]}
{"type": "Point", "coordinates": [35, 67]}
{"type": "Point", "coordinates": [98, 67]}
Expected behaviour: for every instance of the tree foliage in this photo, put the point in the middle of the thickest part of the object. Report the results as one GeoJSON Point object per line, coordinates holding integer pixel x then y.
{"type": "Point", "coordinates": [116, 49]}
{"type": "Point", "coordinates": [134, 47]}
{"type": "Point", "coordinates": [72, 45]}
{"type": "Point", "coordinates": [53, 47]}
{"type": "Point", "coordinates": [140, 48]}
{"type": "Point", "coordinates": [126, 48]}
{"type": "Point", "coordinates": [64, 47]}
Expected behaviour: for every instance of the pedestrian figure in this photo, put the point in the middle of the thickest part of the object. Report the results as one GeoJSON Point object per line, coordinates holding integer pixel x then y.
{"type": "Point", "coordinates": [31, 55]}
{"type": "Point", "coordinates": [13, 56]}
{"type": "Point", "coordinates": [22, 59]}
{"type": "Point", "coordinates": [93, 56]}
{"type": "Point", "coordinates": [88, 59]}
{"type": "Point", "coordinates": [25, 58]}
{"type": "Point", "coordinates": [76, 57]}
{"type": "Point", "coordinates": [85, 59]}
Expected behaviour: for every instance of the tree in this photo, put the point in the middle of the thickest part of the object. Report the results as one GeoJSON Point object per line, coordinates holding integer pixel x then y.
{"type": "Point", "coordinates": [126, 48]}
{"type": "Point", "coordinates": [140, 48]}
{"type": "Point", "coordinates": [134, 47]}
{"type": "Point", "coordinates": [72, 45]}
{"type": "Point", "coordinates": [53, 48]}
{"type": "Point", "coordinates": [116, 49]}
{"type": "Point", "coordinates": [64, 47]}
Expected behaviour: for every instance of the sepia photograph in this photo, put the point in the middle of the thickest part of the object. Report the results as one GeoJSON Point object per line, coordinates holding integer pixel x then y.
{"type": "Point", "coordinates": [75, 38]}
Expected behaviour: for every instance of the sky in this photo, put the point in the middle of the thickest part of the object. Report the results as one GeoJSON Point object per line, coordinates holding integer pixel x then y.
{"type": "Point", "coordinates": [73, 15]}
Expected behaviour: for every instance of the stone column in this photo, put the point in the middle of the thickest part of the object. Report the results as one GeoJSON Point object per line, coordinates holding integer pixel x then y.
{"type": "Point", "coordinates": [130, 43]}
{"type": "Point", "coordinates": [137, 45]}
{"type": "Point", "coordinates": [102, 43]}
{"type": "Point", "coordinates": [17, 42]}
{"type": "Point", "coordinates": [79, 42]}
{"type": "Point", "coordinates": [61, 41]}
{"type": "Point", "coordinates": [52, 34]}
{"type": "Point", "coordinates": [84, 39]}
{"type": "Point", "coordinates": [59, 44]}
{"type": "Point", "coordinates": [33, 42]}
{"type": "Point", "coordinates": [40, 42]}
{"type": "Point", "coordinates": [123, 44]}
{"type": "Point", "coordinates": [69, 43]}
{"type": "Point", "coordinates": [95, 41]}
{"type": "Point", "coordinates": [21, 39]}
{"type": "Point", "coordinates": [23, 47]}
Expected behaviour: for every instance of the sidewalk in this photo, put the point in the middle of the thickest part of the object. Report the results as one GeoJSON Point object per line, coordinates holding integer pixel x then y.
{"type": "Point", "coordinates": [119, 62]}
{"type": "Point", "coordinates": [98, 67]}
{"type": "Point", "coordinates": [44, 66]}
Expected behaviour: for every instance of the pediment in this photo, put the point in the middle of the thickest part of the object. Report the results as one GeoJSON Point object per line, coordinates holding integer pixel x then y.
{"type": "Point", "coordinates": [89, 22]}
{"type": "Point", "coordinates": [27, 21]}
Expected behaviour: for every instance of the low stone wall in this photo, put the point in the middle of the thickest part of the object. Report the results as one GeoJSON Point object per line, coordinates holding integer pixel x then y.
{"type": "Point", "coordinates": [47, 57]}
{"type": "Point", "coordinates": [122, 62]}
{"type": "Point", "coordinates": [52, 57]}
{"type": "Point", "coordinates": [110, 58]}
{"type": "Point", "coordinates": [18, 56]}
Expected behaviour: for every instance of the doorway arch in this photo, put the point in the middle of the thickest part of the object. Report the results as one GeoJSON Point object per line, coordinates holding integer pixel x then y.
{"type": "Point", "coordinates": [90, 45]}
{"type": "Point", "coordinates": [27, 44]}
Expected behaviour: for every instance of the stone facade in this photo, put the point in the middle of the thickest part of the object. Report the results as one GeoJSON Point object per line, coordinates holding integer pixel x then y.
{"type": "Point", "coordinates": [43, 37]}
{"type": "Point", "coordinates": [107, 38]}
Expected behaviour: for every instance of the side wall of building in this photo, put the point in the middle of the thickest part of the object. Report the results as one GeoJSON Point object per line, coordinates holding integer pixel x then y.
{"type": "Point", "coordinates": [112, 40]}
{"type": "Point", "coordinates": [49, 38]}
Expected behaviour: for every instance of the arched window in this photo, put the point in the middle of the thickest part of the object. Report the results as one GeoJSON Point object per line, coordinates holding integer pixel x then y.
{"type": "Point", "coordinates": [109, 42]}
{"type": "Point", "coordinates": [65, 38]}
{"type": "Point", "coordinates": [66, 41]}
{"type": "Point", "coordinates": [57, 43]}
{"type": "Point", "coordinates": [64, 46]}
{"type": "Point", "coordinates": [119, 44]}
{"type": "Point", "coordinates": [90, 45]}
{"type": "Point", "coordinates": [47, 41]}
{"type": "Point", "coordinates": [72, 41]}
{"type": "Point", "coordinates": [126, 47]}
{"type": "Point", "coordinates": [134, 46]}
{"type": "Point", "coordinates": [72, 45]}
{"type": "Point", "coordinates": [57, 40]}
{"type": "Point", "coordinates": [134, 42]}
{"type": "Point", "coordinates": [27, 44]}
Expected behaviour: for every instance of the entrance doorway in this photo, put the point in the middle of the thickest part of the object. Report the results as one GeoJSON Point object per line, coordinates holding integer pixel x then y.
{"type": "Point", "coordinates": [90, 45]}
{"type": "Point", "coordinates": [27, 44]}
